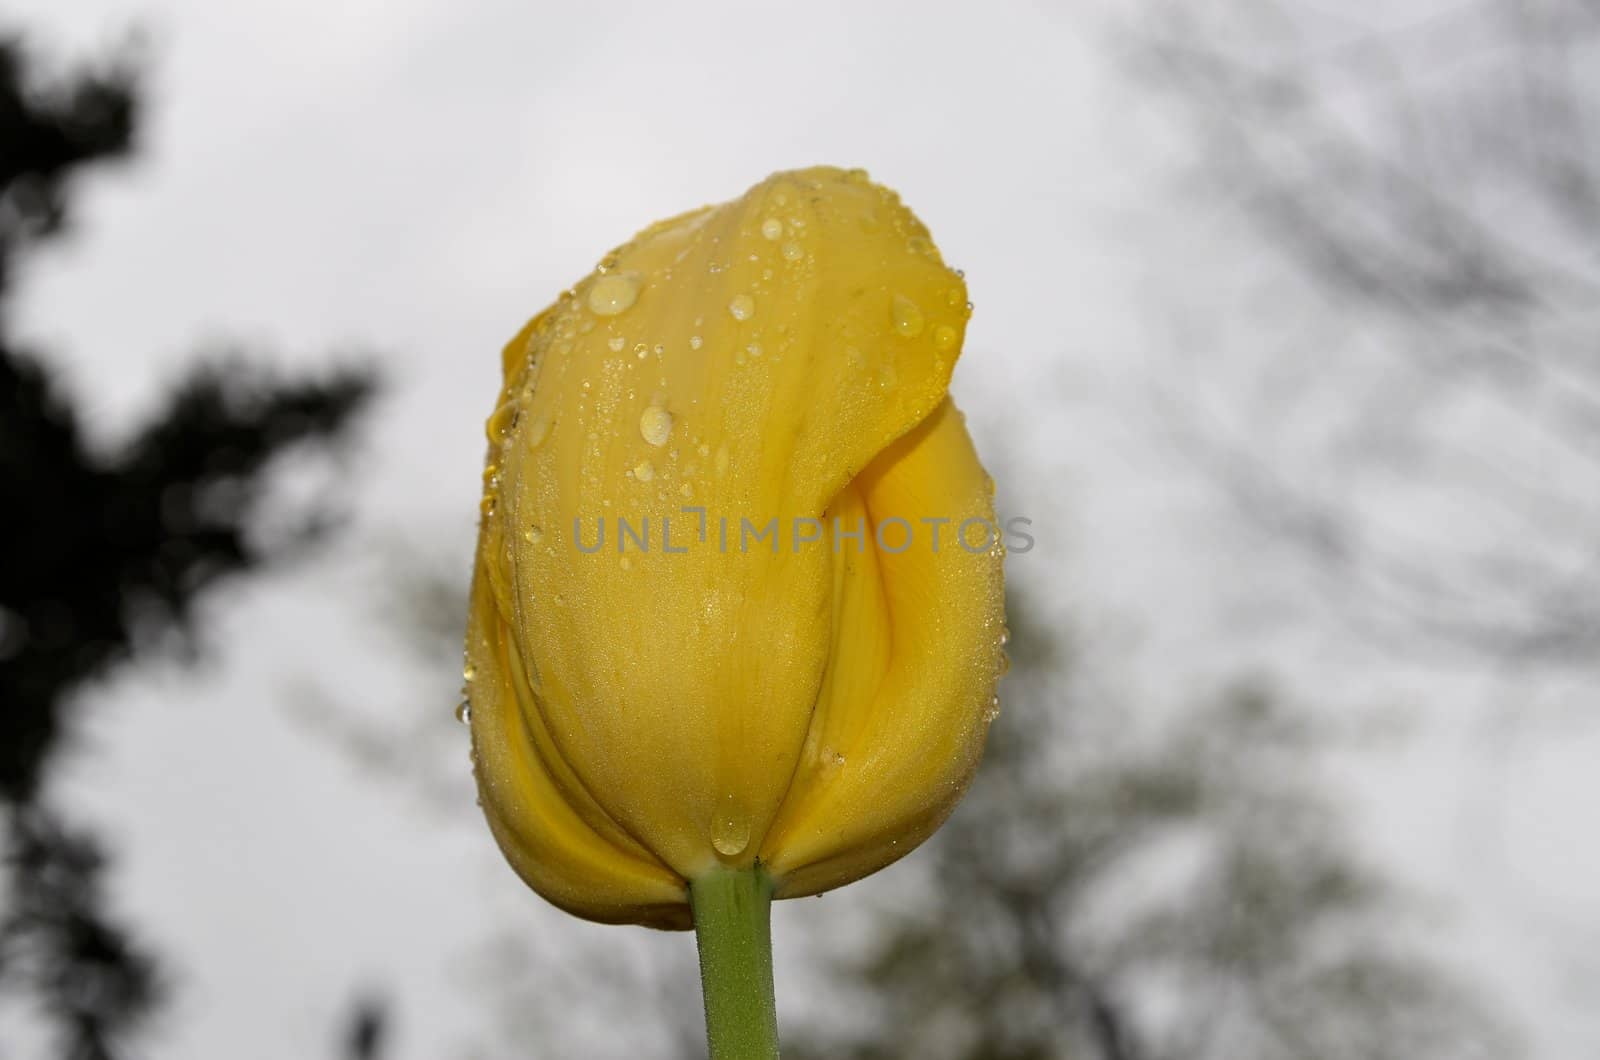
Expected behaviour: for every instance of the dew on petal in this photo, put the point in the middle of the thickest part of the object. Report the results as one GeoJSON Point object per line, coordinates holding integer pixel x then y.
{"type": "Point", "coordinates": [907, 316]}
{"type": "Point", "coordinates": [613, 294]}
{"type": "Point", "coordinates": [536, 432]}
{"type": "Point", "coordinates": [655, 425]}
{"type": "Point", "coordinates": [730, 831]}
{"type": "Point", "coordinates": [502, 421]}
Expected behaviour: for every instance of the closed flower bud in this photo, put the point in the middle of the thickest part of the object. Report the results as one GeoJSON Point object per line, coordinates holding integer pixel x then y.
{"type": "Point", "coordinates": [738, 592]}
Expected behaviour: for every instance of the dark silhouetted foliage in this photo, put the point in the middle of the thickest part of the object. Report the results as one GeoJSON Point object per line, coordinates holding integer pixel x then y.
{"type": "Point", "coordinates": [100, 553]}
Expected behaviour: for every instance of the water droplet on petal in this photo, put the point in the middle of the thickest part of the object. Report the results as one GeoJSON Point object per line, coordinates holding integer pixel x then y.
{"type": "Point", "coordinates": [655, 425]}
{"type": "Point", "coordinates": [907, 317]}
{"type": "Point", "coordinates": [992, 711]}
{"type": "Point", "coordinates": [730, 831]}
{"type": "Point", "coordinates": [533, 535]}
{"type": "Point", "coordinates": [695, 342]}
{"type": "Point", "coordinates": [742, 307]}
{"type": "Point", "coordinates": [468, 671]}
{"type": "Point", "coordinates": [644, 471]}
{"type": "Point", "coordinates": [616, 342]}
{"type": "Point", "coordinates": [944, 337]}
{"type": "Point", "coordinates": [792, 251]}
{"type": "Point", "coordinates": [772, 228]}
{"type": "Point", "coordinates": [464, 711]}
{"type": "Point", "coordinates": [613, 294]}
{"type": "Point", "coordinates": [502, 421]}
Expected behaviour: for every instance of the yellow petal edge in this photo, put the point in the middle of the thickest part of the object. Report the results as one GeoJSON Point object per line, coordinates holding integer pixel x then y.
{"type": "Point", "coordinates": [646, 709]}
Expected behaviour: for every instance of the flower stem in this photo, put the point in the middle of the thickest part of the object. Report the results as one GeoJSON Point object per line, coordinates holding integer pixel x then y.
{"type": "Point", "coordinates": [733, 929]}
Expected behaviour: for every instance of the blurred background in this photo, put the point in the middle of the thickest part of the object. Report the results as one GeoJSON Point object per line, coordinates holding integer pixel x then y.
{"type": "Point", "coordinates": [1285, 339]}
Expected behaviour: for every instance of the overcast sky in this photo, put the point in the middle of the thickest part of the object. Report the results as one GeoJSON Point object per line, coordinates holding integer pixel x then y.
{"type": "Point", "coordinates": [411, 180]}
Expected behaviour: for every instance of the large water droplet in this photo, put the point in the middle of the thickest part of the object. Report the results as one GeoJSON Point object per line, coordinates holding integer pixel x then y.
{"type": "Point", "coordinates": [907, 316]}
{"type": "Point", "coordinates": [464, 711]}
{"type": "Point", "coordinates": [613, 294]}
{"type": "Point", "coordinates": [743, 307]}
{"type": "Point", "coordinates": [655, 425]}
{"type": "Point", "coordinates": [730, 831]}
{"type": "Point", "coordinates": [502, 421]}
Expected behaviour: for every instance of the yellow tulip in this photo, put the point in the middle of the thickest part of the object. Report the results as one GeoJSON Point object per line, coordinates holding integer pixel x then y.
{"type": "Point", "coordinates": [697, 698]}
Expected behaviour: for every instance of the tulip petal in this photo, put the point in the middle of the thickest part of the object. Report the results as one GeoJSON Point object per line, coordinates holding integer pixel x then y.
{"type": "Point", "coordinates": [748, 361]}
{"type": "Point", "coordinates": [555, 847]}
{"type": "Point", "coordinates": [900, 727]}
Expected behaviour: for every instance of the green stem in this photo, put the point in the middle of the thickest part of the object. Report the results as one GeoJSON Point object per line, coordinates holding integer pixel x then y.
{"type": "Point", "coordinates": [733, 928]}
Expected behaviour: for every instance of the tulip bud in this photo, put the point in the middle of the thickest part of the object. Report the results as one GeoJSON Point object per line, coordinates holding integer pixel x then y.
{"type": "Point", "coordinates": [738, 594]}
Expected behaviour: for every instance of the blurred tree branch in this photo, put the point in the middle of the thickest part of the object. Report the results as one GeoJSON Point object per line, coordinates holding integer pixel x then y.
{"type": "Point", "coordinates": [103, 555]}
{"type": "Point", "coordinates": [1432, 189]}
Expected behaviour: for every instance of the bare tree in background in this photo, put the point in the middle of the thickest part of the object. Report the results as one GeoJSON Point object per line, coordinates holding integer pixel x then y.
{"type": "Point", "coordinates": [1416, 339]}
{"type": "Point", "coordinates": [1178, 895]}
